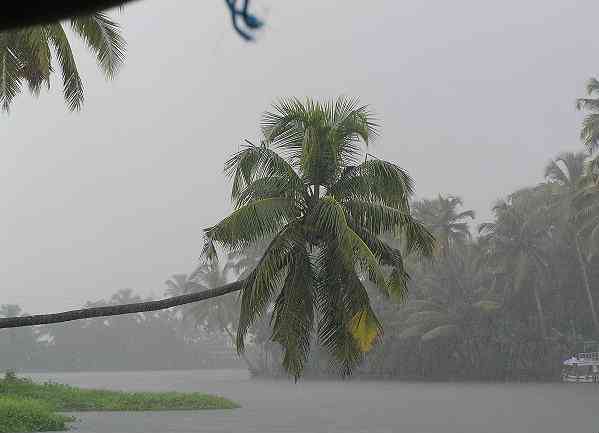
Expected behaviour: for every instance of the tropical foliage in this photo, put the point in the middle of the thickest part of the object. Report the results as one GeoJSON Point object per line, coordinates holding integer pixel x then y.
{"type": "Point", "coordinates": [307, 187]}
{"type": "Point", "coordinates": [505, 300]}
{"type": "Point", "coordinates": [29, 57]}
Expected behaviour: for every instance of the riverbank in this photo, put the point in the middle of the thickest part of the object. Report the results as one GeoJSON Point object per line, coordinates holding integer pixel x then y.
{"type": "Point", "coordinates": [27, 406]}
{"type": "Point", "coordinates": [342, 406]}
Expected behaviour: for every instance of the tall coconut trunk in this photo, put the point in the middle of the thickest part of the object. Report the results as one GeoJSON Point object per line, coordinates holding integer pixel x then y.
{"type": "Point", "coordinates": [540, 311]}
{"type": "Point", "coordinates": [587, 286]}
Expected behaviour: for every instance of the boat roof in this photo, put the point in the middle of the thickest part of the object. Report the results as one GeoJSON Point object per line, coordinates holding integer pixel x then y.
{"type": "Point", "coordinates": [583, 359]}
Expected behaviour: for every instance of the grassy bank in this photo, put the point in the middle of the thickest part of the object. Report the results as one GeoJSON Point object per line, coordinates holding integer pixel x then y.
{"type": "Point", "coordinates": [26, 406]}
{"type": "Point", "coordinates": [18, 414]}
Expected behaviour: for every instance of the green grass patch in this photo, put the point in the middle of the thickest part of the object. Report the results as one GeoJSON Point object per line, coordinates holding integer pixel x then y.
{"type": "Point", "coordinates": [64, 398]}
{"type": "Point", "coordinates": [18, 414]}
{"type": "Point", "coordinates": [26, 406]}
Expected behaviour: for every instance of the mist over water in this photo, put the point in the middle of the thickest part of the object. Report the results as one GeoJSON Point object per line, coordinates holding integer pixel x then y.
{"type": "Point", "coordinates": [350, 406]}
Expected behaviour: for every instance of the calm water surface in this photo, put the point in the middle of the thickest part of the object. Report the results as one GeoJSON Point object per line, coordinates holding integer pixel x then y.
{"type": "Point", "coordinates": [345, 407]}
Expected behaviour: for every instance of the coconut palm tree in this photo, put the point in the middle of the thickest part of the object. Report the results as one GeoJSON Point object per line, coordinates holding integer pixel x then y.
{"type": "Point", "coordinates": [517, 243]}
{"type": "Point", "coordinates": [589, 133]}
{"type": "Point", "coordinates": [305, 187]}
{"type": "Point", "coordinates": [29, 56]}
{"type": "Point", "coordinates": [568, 174]}
{"type": "Point", "coordinates": [442, 217]}
{"type": "Point", "coordinates": [450, 228]}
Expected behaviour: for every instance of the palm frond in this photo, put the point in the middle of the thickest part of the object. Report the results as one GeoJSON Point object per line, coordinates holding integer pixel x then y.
{"type": "Point", "coordinates": [592, 86]}
{"type": "Point", "coordinates": [258, 162]}
{"type": "Point", "coordinates": [375, 217]}
{"type": "Point", "coordinates": [72, 84]}
{"type": "Point", "coordinates": [256, 220]}
{"type": "Point", "coordinates": [272, 187]}
{"type": "Point", "coordinates": [375, 180]}
{"type": "Point", "coordinates": [10, 69]}
{"type": "Point", "coordinates": [589, 133]}
{"type": "Point", "coordinates": [104, 38]}
{"type": "Point", "coordinates": [365, 328]}
{"type": "Point", "coordinates": [320, 139]}
{"type": "Point", "coordinates": [293, 314]}
{"type": "Point", "coordinates": [283, 125]}
{"type": "Point", "coordinates": [397, 284]}
{"type": "Point", "coordinates": [267, 277]}
{"type": "Point", "coordinates": [444, 331]}
{"type": "Point", "coordinates": [36, 57]}
{"type": "Point", "coordinates": [339, 296]}
{"type": "Point", "coordinates": [590, 104]}
{"type": "Point", "coordinates": [331, 218]}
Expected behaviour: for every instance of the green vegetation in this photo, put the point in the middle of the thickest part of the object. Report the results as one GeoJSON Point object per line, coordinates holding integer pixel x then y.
{"type": "Point", "coordinates": [68, 398]}
{"type": "Point", "coordinates": [505, 300]}
{"type": "Point", "coordinates": [310, 190]}
{"type": "Point", "coordinates": [26, 56]}
{"type": "Point", "coordinates": [18, 414]}
{"type": "Point", "coordinates": [323, 234]}
{"type": "Point", "coordinates": [26, 406]}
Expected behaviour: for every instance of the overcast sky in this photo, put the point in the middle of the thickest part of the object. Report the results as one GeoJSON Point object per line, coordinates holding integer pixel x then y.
{"type": "Point", "coordinates": [474, 97]}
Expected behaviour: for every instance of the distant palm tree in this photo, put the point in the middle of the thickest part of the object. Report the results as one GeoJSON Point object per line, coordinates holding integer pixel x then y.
{"type": "Point", "coordinates": [589, 133]}
{"type": "Point", "coordinates": [450, 227]}
{"type": "Point", "coordinates": [517, 243]}
{"type": "Point", "coordinates": [30, 56]}
{"type": "Point", "coordinates": [220, 315]}
{"type": "Point", "coordinates": [305, 188]}
{"type": "Point", "coordinates": [567, 172]}
{"type": "Point", "coordinates": [442, 217]}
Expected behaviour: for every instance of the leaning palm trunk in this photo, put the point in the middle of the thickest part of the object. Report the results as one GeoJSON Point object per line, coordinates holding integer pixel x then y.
{"type": "Point", "coordinates": [587, 286]}
{"type": "Point", "coordinates": [116, 310]}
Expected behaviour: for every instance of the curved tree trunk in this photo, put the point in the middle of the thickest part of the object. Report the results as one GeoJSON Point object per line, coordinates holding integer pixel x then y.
{"type": "Point", "coordinates": [116, 310]}
{"type": "Point", "coordinates": [587, 286]}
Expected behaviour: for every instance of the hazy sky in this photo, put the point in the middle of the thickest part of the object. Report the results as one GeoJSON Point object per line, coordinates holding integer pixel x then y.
{"type": "Point", "coordinates": [474, 96]}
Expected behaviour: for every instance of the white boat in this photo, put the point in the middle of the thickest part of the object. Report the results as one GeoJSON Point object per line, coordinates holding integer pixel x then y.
{"type": "Point", "coordinates": [582, 368]}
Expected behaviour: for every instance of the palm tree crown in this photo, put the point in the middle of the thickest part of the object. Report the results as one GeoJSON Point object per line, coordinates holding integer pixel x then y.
{"type": "Point", "coordinates": [26, 56]}
{"type": "Point", "coordinates": [442, 217]}
{"type": "Point", "coordinates": [305, 190]}
{"type": "Point", "coordinates": [517, 242]}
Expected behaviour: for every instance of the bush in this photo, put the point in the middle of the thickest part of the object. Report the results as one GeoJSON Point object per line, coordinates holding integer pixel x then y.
{"type": "Point", "coordinates": [18, 414]}
{"type": "Point", "coordinates": [69, 398]}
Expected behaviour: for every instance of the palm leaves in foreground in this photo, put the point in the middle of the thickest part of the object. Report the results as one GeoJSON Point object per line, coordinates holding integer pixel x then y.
{"type": "Point", "coordinates": [28, 56]}
{"type": "Point", "coordinates": [305, 189]}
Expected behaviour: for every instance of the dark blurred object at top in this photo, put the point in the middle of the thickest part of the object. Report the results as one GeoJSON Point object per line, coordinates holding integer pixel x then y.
{"type": "Point", "coordinates": [32, 12]}
{"type": "Point", "coordinates": [43, 11]}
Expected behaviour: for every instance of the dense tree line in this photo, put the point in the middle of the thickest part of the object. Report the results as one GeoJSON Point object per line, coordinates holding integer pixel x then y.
{"type": "Point", "coordinates": [507, 299]}
{"type": "Point", "coordinates": [322, 242]}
